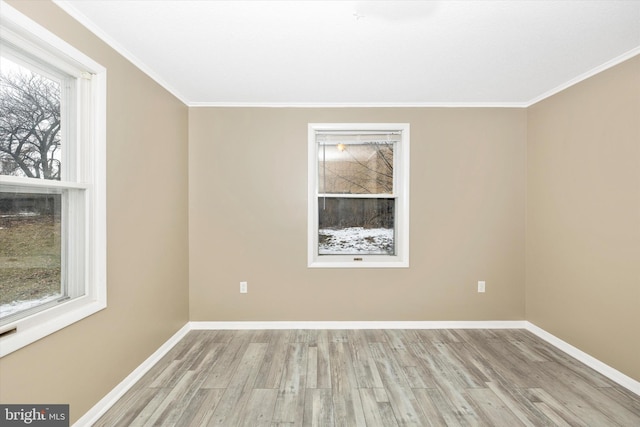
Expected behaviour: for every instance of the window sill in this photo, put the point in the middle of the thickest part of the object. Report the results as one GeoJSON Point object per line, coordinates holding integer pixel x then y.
{"type": "Point", "coordinates": [41, 324]}
{"type": "Point", "coordinates": [391, 263]}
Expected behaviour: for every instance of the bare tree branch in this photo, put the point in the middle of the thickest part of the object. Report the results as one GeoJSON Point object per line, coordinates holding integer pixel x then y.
{"type": "Point", "coordinates": [365, 175]}
{"type": "Point", "coordinates": [29, 125]}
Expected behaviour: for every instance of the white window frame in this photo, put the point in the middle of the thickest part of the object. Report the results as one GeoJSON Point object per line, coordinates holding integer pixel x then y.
{"type": "Point", "coordinates": [84, 183]}
{"type": "Point", "coordinates": [401, 194]}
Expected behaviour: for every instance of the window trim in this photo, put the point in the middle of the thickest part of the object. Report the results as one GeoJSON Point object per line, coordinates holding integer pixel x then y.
{"type": "Point", "coordinates": [38, 42]}
{"type": "Point", "coordinates": [401, 188]}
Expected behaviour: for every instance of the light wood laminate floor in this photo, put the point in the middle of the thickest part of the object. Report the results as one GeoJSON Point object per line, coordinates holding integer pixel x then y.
{"type": "Point", "coordinates": [372, 378]}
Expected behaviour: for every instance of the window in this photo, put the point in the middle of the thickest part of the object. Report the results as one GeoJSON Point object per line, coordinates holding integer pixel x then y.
{"type": "Point", "coordinates": [52, 183]}
{"type": "Point", "coordinates": [358, 195]}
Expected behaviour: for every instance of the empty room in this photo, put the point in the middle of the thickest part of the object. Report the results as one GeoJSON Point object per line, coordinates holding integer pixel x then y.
{"type": "Point", "coordinates": [320, 213]}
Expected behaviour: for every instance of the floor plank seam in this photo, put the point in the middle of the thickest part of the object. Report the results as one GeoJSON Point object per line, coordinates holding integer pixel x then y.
{"type": "Point", "coordinates": [371, 378]}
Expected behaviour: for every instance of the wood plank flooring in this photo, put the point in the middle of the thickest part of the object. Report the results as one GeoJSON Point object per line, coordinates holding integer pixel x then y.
{"type": "Point", "coordinates": [324, 378]}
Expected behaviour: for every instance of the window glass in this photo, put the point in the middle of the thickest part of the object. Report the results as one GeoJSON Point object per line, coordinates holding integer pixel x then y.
{"type": "Point", "coordinates": [360, 165]}
{"type": "Point", "coordinates": [30, 122]}
{"type": "Point", "coordinates": [356, 168]}
{"type": "Point", "coordinates": [31, 251]}
{"type": "Point", "coordinates": [356, 226]}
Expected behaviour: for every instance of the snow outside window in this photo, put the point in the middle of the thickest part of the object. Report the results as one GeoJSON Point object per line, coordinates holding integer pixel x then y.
{"type": "Point", "coordinates": [52, 183]}
{"type": "Point", "coordinates": [358, 195]}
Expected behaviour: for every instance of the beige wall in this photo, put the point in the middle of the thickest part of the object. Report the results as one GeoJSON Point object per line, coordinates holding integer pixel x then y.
{"type": "Point", "coordinates": [248, 218]}
{"type": "Point", "coordinates": [570, 165]}
{"type": "Point", "coordinates": [583, 216]}
{"type": "Point", "coordinates": [147, 241]}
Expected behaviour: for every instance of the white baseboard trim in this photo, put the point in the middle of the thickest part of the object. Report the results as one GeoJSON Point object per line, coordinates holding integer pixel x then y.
{"type": "Point", "coordinates": [606, 370]}
{"type": "Point", "coordinates": [595, 364]}
{"type": "Point", "coordinates": [112, 397]}
{"type": "Point", "coordinates": [436, 324]}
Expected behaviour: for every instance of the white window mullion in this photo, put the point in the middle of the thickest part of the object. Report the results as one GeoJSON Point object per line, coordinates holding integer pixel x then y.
{"type": "Point", "coordinates": [76, 248]}
{"type": "Point", "coordinates": [16, 181]}
{"type": "Point", "coordinates": [68, 112]}
{"type": "Point", "coordinates": [65, 260]}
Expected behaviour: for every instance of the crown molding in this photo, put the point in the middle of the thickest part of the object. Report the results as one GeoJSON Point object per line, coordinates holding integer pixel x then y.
{"type": "Point", "coordinates": [97, 31]}
{"type": "Point", "coordinates": [609, 64]}
{"type": "Point", "coordinates": [358, 104]}
{"type": "Point", "coordinates": [68, 7]}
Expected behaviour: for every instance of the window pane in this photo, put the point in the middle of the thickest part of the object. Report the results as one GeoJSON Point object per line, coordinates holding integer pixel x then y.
{"type": "Point", "coordinates": [355, 168]}
{"type": "Point", "coordinates": [29, 123]}
{"type": "Point", "coordinates": [356, 226]}
{"type": "Point", "coordinates": [30, 250]}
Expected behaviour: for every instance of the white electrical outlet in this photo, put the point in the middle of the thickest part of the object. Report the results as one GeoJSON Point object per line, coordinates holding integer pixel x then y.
{"type": "Point", "coordinates": [243, 287]}
{"type": "Point", "coordinates": [481, 286]}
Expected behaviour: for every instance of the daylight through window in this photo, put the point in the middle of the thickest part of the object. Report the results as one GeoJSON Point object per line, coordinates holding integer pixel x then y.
{"type": "Point", "coordinates": [358, 195]}
{"type": "Point", "coordinates": [52, 241]}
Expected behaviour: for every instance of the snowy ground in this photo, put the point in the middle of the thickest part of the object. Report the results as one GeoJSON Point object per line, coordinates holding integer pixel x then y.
{"type": "Point", "coordinates": [355, 241]}
{"type": "Point", "coordinates": [16, 306]}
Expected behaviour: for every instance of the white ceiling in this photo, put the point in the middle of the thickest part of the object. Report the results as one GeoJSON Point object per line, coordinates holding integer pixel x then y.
{"type": "Point", "coordinates": [371, 53]}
